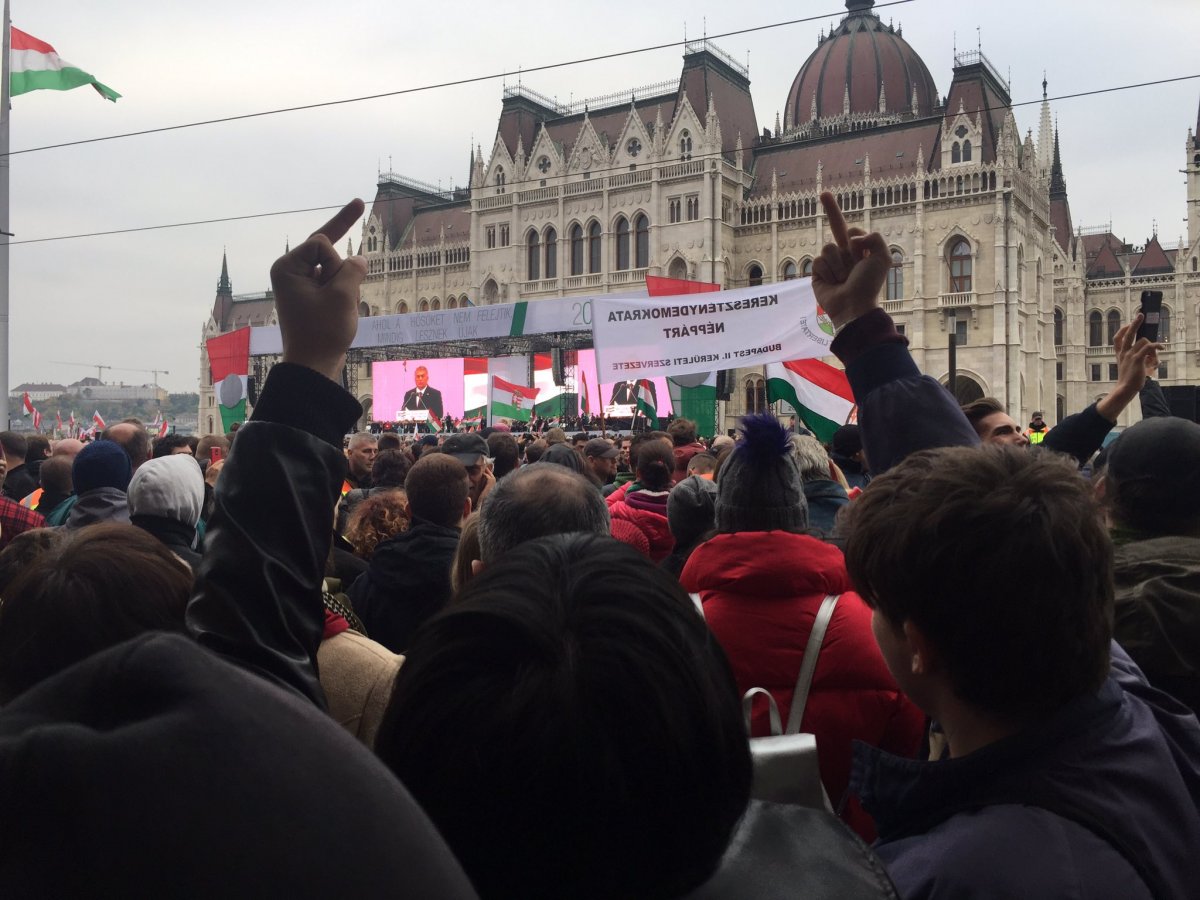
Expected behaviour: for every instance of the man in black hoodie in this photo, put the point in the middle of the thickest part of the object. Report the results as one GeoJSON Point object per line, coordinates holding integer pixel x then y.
{"type": "Point", "coordinates": [409, 577]}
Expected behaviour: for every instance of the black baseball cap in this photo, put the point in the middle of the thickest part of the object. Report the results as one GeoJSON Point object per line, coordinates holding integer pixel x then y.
{"type": "Point", "coordinates": [469, 449]}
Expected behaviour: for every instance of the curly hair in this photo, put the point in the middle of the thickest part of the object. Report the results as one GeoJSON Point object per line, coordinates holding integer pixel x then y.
{"type": "Point", "coordinates": [380, 516]}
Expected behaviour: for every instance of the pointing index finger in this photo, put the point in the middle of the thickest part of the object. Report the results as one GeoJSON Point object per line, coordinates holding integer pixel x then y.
{"type": "Point", "coordinates": [335, 229]}
{"type": "Point", "coordinates": [837, 222]}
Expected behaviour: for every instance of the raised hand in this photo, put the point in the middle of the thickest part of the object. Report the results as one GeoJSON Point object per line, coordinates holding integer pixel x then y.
{"type": "Point", "coordinates": [1137, 359]}
{"type": "Point", "coordinates": [850, 272]}
{"type": "Point", "coordinates": [316, 296]}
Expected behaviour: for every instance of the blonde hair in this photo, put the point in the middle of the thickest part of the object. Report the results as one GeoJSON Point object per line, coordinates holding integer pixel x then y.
{"type": "Point", "coordinates": [380, 516]}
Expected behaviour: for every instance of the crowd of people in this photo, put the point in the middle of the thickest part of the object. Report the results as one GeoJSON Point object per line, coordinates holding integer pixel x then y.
{"type": "Point", "coordinates": [530, 665]}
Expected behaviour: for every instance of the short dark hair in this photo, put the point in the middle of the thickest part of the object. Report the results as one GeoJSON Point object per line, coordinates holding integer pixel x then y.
{"type": "Point", "coordinates": [572, 727]}
{"type": "Point", "coordinates": [391, 468]}
{"type": "Point", "coordinates": [13, 444]}
{"type": "Point", "coordinates": [536, 500]}
{"type": "Point", "coordinates": [437, 488]}
{"type": "Point", "coordinates": [580, 437]}
{"type": "Point", "coordinates": [978, 410]}
{"type": "Point", "coordinates": [655, 465]}
{"type": "Point", "coordinates": [165, 445]}
{"type": "Point", "coordinates": [944, 540]}
{"type": "Point", "coordinates": [534, 450]}
{"type": "Point", "coordinates": [389, 440]}
{"type": "Point", "coordinates": [37, 447]}
{"type": "Point", "coordinates": [94, 589]}
{"type": "Point", "coordinates": [502, 447]}
{"type": "Point", "coordinates": [705, 462]}
{"type": "Point", "coordinates": [55, 475]}
{"type": "Point", "coordinates": [682, 432]}
{"type": "Point", "coordinates": [638, 440]}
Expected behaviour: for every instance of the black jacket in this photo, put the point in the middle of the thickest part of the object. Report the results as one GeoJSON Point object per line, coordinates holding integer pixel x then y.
{"type": "Point", "coordinates": [177, 536]}
{"type": "Point", "coordinates": [407, 582]}
{"type": "Point", "coordinates": [19, 482]}
{"type": "Point", "coordinates": [156, 768]}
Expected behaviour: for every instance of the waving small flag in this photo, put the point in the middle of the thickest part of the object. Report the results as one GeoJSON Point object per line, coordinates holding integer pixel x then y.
{"type": "Point", "coordinates": [819, 393]}
{"type": "Point", "coordinates": [99, 420]}
{"type": "Point", "coordinates": [27, 403]}
{"type": "Point", "coordinates": [36, 66]}
{"type": "Point", "coordinates": [37, 421]}
{"type": "Point", "coordinates": [162, 429]}
{"type": "Point", "coordinates": [645, 402]}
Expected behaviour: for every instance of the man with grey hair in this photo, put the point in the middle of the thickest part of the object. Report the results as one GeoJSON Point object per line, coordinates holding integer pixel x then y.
{"type": "Point", "coordinates": [824, 495]}
{"type": "Point", "coordinates": [360, 453]}
{"type": "Point", "coordinates": [535, 501]}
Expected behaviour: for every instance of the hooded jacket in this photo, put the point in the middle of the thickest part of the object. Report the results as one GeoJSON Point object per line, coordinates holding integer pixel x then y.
{"type": "Point", "coordinates": [407, 582]}
{"type": "Point", "coordinates": [1042, 813]}
{"type": "Point", "coordinates": [104, 504]}
{"type": "Point", "coordinates": [761, 592]}
{"type": "Point", "coordinates": [645, 511]}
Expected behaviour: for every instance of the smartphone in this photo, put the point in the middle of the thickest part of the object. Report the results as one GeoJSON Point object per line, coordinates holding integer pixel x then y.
{"type": "Point", "coordinates": [1152, 311]}
{"type": "Point", "coordinates": [215, 454]}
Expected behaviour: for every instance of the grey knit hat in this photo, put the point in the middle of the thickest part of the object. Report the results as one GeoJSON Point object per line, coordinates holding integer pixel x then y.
{"type": "Point", "coordinates": [759, 488]}
{"type": "Point", "coordinates": [691, 509]}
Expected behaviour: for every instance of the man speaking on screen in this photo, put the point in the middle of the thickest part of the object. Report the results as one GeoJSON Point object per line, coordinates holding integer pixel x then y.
{"type": "Point", "coordinates": [422, 396]}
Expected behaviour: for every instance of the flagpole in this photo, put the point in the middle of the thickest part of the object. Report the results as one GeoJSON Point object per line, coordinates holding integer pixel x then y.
{"type": "Point", "coordinates": [5, 86]}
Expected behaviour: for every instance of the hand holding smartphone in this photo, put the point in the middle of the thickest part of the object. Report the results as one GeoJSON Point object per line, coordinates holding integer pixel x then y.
{"type": "Point", "coordinates": [1151, 311]}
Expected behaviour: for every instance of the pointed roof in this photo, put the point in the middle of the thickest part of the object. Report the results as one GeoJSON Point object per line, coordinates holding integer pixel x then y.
{"type": "Point", "coordinates": [1106, 264]}
{"type": "Point", "coordinates": [1153, 260]}
{"type": "Point", "coordinates": [1058, 184]}
{"type": "Point", "coordinates": [224, 286]}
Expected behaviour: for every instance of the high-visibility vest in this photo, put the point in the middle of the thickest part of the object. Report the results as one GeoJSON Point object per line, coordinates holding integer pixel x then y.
{"type": "Point", "coordinates": [32, 499]}
{"type": "Point", "coordinates": [1036, 437]}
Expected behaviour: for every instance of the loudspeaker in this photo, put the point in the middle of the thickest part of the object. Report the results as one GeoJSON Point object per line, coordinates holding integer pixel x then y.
{"type": "Point", "coordinates": [724, 384]}
{"type": "Point", "coordinates": [1182, 399]}
{"type": "Point", "coordinates": [556, 368]}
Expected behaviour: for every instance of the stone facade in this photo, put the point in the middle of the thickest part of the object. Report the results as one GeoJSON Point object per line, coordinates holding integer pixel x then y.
{"type": "Point", "coordinates": [678, 179]}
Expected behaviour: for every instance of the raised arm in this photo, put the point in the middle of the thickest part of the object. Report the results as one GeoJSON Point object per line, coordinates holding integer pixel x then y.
{"type": "Point", "coordinates": [257, 600]}
{"type": "Point", "coordinates": [900, 410]}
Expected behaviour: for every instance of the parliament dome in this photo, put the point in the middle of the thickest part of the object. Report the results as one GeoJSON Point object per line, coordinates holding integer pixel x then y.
{"type": "Point", "coordinates": [866, 65]}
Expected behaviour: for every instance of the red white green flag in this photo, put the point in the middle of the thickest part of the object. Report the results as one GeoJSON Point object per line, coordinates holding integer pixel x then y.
{"type": "Point", "coordinates": [229, 365]}
{"type": "Point", "coordinates": [27, 403]}
{"type": "Point", "coordinates": [99, 420]}
{"type": "Point", "coordinates": [162, 429]}
{"type": "Point", "coordinates": [819, 393]}
{"type": "Point", "coordinates": [36, 66]}
{"type": "Point", "coordinates": [646, 403]}
{"type": "Point", "coordinates": [512, 401]}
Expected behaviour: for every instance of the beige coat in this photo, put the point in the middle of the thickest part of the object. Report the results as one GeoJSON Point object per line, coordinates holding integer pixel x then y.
{"type": "Point", "coordinates": [357, 674]}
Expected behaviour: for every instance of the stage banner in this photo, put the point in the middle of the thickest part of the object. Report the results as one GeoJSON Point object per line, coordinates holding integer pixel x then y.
{"type": "Point", "coordinates": [686, 335]}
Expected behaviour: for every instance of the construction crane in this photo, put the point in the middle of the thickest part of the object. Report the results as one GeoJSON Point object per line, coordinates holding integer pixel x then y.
{"type": "Point", "coordinates": [99, 369]}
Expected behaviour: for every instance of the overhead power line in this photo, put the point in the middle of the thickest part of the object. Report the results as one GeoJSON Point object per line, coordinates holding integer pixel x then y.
{"type": "Point", "coordinates": [474, 79]}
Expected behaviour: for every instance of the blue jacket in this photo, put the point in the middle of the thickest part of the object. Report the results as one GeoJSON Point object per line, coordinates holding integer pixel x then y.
{"type": "Point", "coordinates": [1074, 807]}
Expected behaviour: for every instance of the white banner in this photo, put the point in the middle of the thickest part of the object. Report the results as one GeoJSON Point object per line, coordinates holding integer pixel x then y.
{"type": "Point", "coordinates": [636, 338]}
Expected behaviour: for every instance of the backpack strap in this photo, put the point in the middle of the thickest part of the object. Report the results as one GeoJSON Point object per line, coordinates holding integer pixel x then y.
{"type": "Point", "coordinates": [809, 665]}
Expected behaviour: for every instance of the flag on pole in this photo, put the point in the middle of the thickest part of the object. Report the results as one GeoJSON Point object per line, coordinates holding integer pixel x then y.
{"type": "Point", "coordinates": [472, 418]}
{"type": "Point", "coordinates": [71, 421]}
{"type": "Point", "coordinates": [27, 403]}
{"type": "Point", "coordinates": [162, 428]}
{"type": "Point", "coordinates": [98, 420]}
{"type": "Point", "coordinates": [819, 393]}
{"type": "Point", "coordinates": [645, 402]}
{"type": "Point", "coordinates": [37, 421]}
{"type": "Point", "coordinates": [36, 66]}
{"type": "Point", "coordinates": [229, 365]}
{"type": "Point", "coordinates": [585, 403]}
{"type": "Point", "coordinates": [512, 401]}
{"type": "Point", "coordinates": [58, 420]}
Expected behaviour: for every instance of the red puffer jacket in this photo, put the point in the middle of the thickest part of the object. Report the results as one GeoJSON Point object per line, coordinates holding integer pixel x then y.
{"type": "Point", "coordinates": [645, 511]}
{"type": "Point", "coordinates": [761, 592]}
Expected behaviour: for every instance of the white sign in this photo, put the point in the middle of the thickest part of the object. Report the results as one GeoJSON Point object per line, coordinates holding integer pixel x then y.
{"type": "Point", "coordinates": [692, 333]}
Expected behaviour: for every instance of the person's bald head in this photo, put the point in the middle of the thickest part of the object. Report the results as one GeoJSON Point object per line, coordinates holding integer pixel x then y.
{"type": "Point", "coordinates": [133, 439]}
{"type": "Point", "coordinates": [67, 447]}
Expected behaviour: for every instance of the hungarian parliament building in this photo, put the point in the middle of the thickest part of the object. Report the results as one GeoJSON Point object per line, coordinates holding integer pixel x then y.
{"type": "Point", "coordinates": [681, 179]}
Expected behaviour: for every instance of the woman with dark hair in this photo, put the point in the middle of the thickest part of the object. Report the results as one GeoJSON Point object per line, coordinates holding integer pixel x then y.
{"type": "Point", "coordinates": [572, 727]}
{"type": "Point", "coordinates": [762, 579]}
{"type": "Point", "coordinates": [639, 518]}
{"type": "Point", "coordinates": [93, 589]}
{"type": "Point", "coordinates": [387, 474]}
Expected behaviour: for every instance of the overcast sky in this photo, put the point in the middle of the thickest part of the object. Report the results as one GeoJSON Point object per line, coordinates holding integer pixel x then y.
{"type": "Point", "coordinates": [140, 300]}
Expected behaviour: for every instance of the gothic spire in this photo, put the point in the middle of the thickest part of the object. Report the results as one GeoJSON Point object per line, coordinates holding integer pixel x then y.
{"type": "Point", "coordinates": [1058, 185]}
{"type": "Point", "coordinates": [224, 286]}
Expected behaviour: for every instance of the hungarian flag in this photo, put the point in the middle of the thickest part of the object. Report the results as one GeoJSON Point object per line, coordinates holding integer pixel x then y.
{"type": "Point", "coordinates": [57, 420]}
{"type": "Point", "coordinates": [27, 403]}
{"type": "Point", "coordinates": [36, 66]}
{"type": "Point", "coordinates": [512, 401]}
{"type": "Point", "coordinates": [162, 428]}
{"type": "Point", "coordinates": [646, 403]}
{"type": "Point", "coordinates": [37, 421]}
{"type": "Point", "coordinates": [819, 393]}
{"type": "Point", "coordinates": [436, 420]}
{"type": "Point", "coordinates": [472, 418]}
{"type": "Point", "coordinates": [585, 403]}
{"type": "Point", "coordinates": [99, 420]}
{"type": "Point", "coordinates": [229, 363]}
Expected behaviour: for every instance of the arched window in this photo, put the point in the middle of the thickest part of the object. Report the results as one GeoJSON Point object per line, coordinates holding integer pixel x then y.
{"type": "Point", "coordinates": [435, 304]}
{"type": "Point", "coordinates": [685, 145]}
{"type": "Point", "coordinates": [499, 181]}
{"type": "Point", "coordinates": [956, 153]}
{"type": "Point", "coordinates": [895, 277]}
{"type": "Point", "coordinates": [622, 230]}
{"type": "Point", "coordinates": [641, 229]}
{"type": "Point", "coordinates": [756, 395]}
{"type": "Point", "coordinates": [960, 267]}
{"type": "Point", "coordinates": [576, 250]}
{"type": "Point", "coordinates": [677, 269]}
{"type": "Point", "coordinates": [1058, 327]}
{"type": "Point", "coordinates": [423, 306]}
{"type": "Point", "coordinates": [1114, 325]}
{"type": "Point", "coordinates": [806, 269]}
{"type": "Point", "coordinates": [1164, 326]}
{"type": "Point", "coordinates": [966, 151]}
{"type": "Point", "coordinates": [452, 303]}
{"type": "Point", "coordinates": [551, 252]}
{"type": "Point", "coordinates": [755, 274]}
{"type": "Point", "coordinates": [491, 292]}
{"type": "Point", "coordinates": [210, 424]}
{"type": "Point", "coordinates": [533, 256]}
{"type": "Point", "coordinates": [401, 307]}
{"type": "Point", "coordinates": [594, 260]}
{"type": "Point", "coordinates": [789, 270]}
{"type": "Point", "coordinates": [1095, 329]}
{"type": "Point", "coordinates": [364, 310]}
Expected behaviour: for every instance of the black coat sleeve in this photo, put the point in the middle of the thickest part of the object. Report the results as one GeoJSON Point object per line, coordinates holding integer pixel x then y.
{"type": "Point", "coordinates": [1154, 403]}
{"type": "Point", "coordinates": [1079, 435]}
{"type": "Point", "coordinates": [257, 600]}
